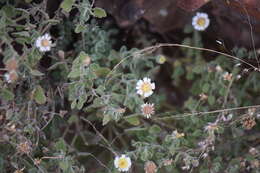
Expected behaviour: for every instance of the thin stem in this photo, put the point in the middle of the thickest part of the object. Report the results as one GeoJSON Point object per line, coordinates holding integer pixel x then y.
{"type": "Point", "coordinates": [207, 112]}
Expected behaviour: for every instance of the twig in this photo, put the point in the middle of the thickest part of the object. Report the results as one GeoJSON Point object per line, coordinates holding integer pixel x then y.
{"type": "Point", "coordinates": [155, 47]}
{"type": "Point", "coordinates": [208, 112]}
{"type": "Point", "coordinates": [99, 134]}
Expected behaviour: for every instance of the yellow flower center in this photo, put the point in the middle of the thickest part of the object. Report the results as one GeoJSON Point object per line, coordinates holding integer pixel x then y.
{"type": "Point", "coordinates": [162, 59]}
{"type": "Point", "coordinates": [201, 21]}
{"type": "Point", "coordinates": [146, 87]}
{"type": "Point", "coordinates": [122, 163]}
{"type": "Point", "coordinates": [179, 135]}
{"type": "Point", "coordinates": [45, 43]}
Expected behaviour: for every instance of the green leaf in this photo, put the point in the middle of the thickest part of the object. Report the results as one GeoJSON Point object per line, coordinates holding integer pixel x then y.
{"type": "Point", "coordinates": [79, 28]}
{"type": "Point", "coordinates": [106, 119]}
{"type": "Point", "coordinates": [39, 95]}
{"type": "Point", "coordinates": [21, 34]}
{"type": "Point", "coordinates": [74, 73]}
{"type": "Point", "coordinates": [36, 73]}
{"type": "Point", "coordinates": [155, 129]}
{"type": "Point", "coordinates": [205, 87]}
{"type": "Point", "coordinates": [73, 119]}
{"type": "Point", "coordinates": [33, 58]}
{"type": "Point", "coordinates": [66, 5]}
{"type": "Point", "coordinates": [73, 104]}
{"type": "Point", "coordinates": [198, 68]}
{"type": "Point", "coordinates": [6, 95]}
{"type": "Point", "coordinates": [81, 101]}
{"type": "Point", "coordinates": [102, 71]}
{"type": "Point", "coordinates": [190, 104]}
{"type": "Point", "coordinates": [64, 164]}
{"type": "Point", "coordinates": [222, 91]}
{"type": "Point", "coordinates": [9, 11]}
{"type": "Point", "coordinates": [99, 12]}
{"type": "Point", "coordinates": [146, 154]}
{"type": "Point", "coordinates": [134, 120]}
{"type": "Point", "coordinates": [211, 100]}
{"type": "Point", "coordinates": [98, 102]}
{"type": "Point", "coordinates": [178, 71]}
{"type": "Point", "coordinates": [77, 66]}
{"type": "Point", "coordinates": [61, 145]}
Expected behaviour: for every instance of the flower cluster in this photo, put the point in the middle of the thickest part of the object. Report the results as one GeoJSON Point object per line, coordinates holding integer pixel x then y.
{"type": "Point", "coordinates": [145, 88]}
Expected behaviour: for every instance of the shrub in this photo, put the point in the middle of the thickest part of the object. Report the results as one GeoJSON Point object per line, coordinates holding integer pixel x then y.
{"type": "Point", "coordinates": [69, 101]}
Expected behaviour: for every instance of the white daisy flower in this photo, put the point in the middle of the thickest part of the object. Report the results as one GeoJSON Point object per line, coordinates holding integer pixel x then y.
{"type": "Point", "coordinates": [43, 43]}
{"type": "Point", "coordinates": [122, 163]}
{"type": "Point", "coordinates": [200, 21]}
{"type": "Point", "coordinates": [147, 110]}
{"type": "Point", "coordinates": [145, 87]}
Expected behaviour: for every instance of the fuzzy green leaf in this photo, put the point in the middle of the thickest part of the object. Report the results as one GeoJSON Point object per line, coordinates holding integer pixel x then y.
{"type": "Point", "coordinates": [155, 129]}
{"type": "Point", "coordinates": [36, 73]}
{"type": "Point", "coordinates": [61, 145]}
{"type": "Point", "coordinates": [39, 95]}
{"type": "Point", "coordinates": [79, 28]}
{"type": "Point", "coordinates": [6, 95]}
{"type": "Point", "coordinates": [134, 120]}
{"type": "Point", "coordinates": [66, 5]}
{"type": "Point", "coordinates": [106, 119]}
{"type": "Point", "coordinates": [205, 87]}
{"type": "Point", "coordinates": [211, 100]}
{"type": "Point", "coordinates": [99, 12]}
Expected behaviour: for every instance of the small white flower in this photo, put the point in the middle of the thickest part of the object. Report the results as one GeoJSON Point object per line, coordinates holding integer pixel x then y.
{"type": "Point", "coordinates": [147, 110]}
{"type": "Point", "coordinates": [200, 21]}
{"type": "Point", "coordinates": [145, 87]}
{"type": "Point", "coordinates": [122, 163]}
{"type": "Point", "coordinates": [43, 43]}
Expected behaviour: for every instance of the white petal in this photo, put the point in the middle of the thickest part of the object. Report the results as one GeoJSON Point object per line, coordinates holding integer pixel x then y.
{"type": "Point", "coordinates": [48, 48]}
{"type": "Point", "coordinates": [153, 86]}
{"type": "Point", "coordinates": [145, 79]}
{"type": "Point", "coordinates": [38, 43]}
{"type": "Point", "coordinates": [140, 92]}
{"type": "Point", "coordinates": [140, 82]}
{"type": "Point", "coordinates": [116, 162]}
{"type": "Point", "coordinates": [47, 36]}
